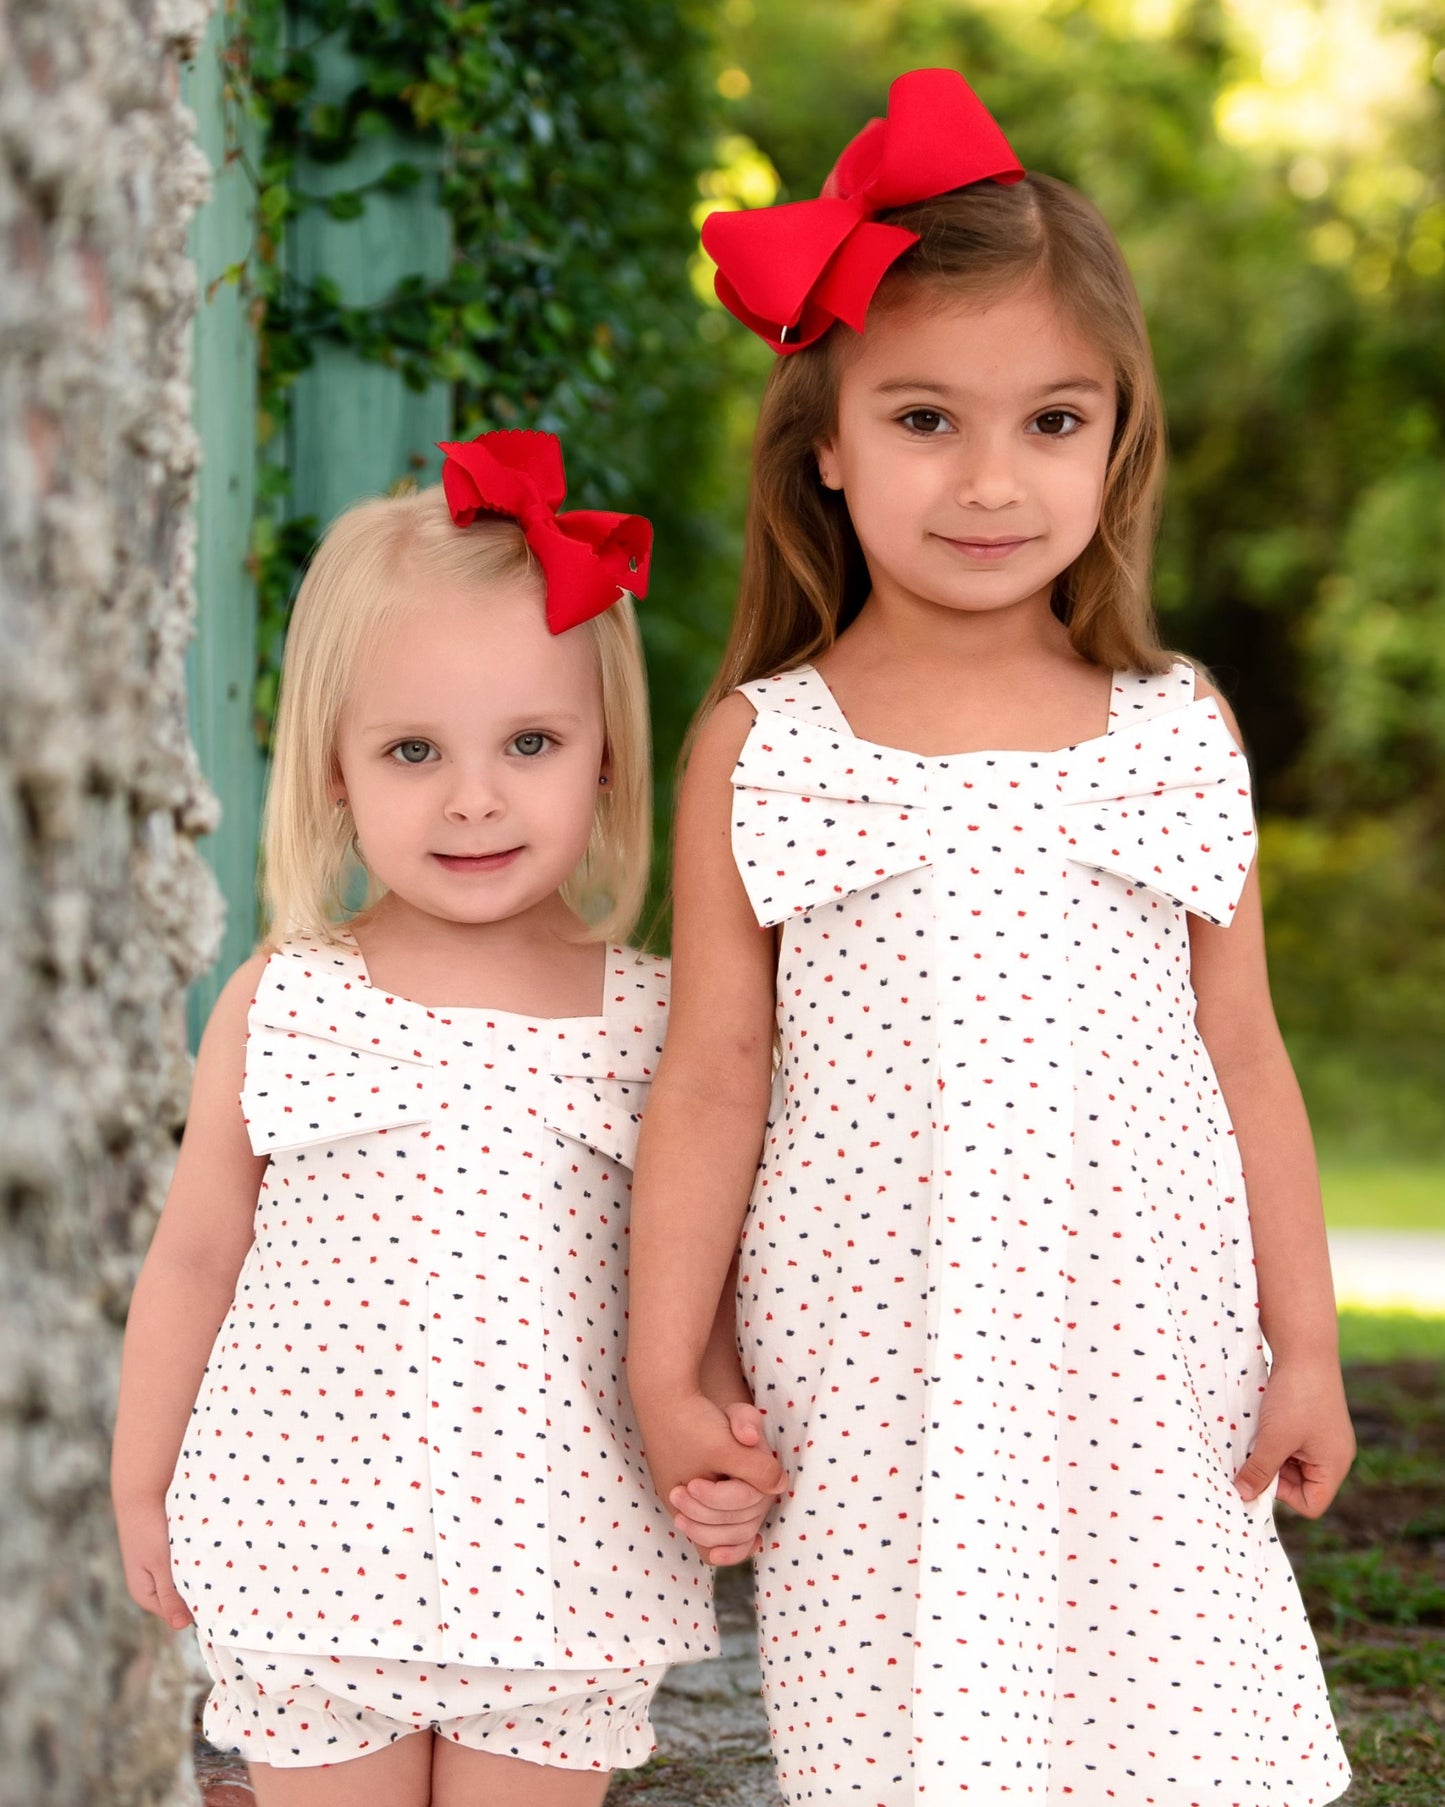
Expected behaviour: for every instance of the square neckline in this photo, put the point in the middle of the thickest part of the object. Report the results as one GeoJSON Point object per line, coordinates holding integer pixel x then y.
{"type": "Point", "coordinates": [988, 753]}
{"type": "Point", "coordinates": [445, 1012]}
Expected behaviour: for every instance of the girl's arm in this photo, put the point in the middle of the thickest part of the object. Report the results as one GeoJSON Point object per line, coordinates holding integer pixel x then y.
{"type": "Point", "coordinates": [720, 1373]}
{"type": "Point", "coordinates": [1304, 1431]}
{"type": "Point", "coordinates": [701, 1135]}
{"type": "Point", "coordinates": [723, 1518]}
{"type": "Point", "coordinates": [184, 1291]}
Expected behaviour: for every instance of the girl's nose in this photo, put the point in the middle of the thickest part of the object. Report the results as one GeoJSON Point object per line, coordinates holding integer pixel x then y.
{"type": "Point", "coordinates": [475, 796]}
{"type": "Point", "coordinates": [988, 475]}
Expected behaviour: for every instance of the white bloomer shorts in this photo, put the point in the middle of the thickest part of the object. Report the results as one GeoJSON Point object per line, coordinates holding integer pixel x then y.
{"type": "Point", "coordinates": [304, 1712]}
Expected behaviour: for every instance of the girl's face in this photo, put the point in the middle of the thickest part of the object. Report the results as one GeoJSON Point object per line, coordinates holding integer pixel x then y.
{"type": "Point", "coordinates": [470, 751]}
{"type": "Point", "coordinates": [971, 446]}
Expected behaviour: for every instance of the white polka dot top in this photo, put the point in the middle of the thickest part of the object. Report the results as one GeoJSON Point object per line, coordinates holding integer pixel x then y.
{"type": "Point", "coordinates": [412, 1439]}
{"type": "Point", "coordinates": [997, 1292]}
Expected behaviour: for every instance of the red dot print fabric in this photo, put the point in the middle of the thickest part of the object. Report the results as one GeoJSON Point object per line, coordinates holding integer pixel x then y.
{"type": "Point", "coordinates": [997, 1293]}
{"type": "Point", "coordinates": [412, 1439]}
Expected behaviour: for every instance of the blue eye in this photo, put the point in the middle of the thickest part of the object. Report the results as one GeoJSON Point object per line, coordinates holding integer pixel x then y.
{"type": "Point", "coordinates": [529, 745]}
{"type": "Point", "coordinates": [412, 752]}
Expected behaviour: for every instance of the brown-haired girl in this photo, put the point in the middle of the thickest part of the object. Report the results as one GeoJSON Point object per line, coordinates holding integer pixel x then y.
{"type": "Point", "coordinates": [975, 853]}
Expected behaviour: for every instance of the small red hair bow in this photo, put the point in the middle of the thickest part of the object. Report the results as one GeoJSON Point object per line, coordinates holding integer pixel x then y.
{"type": "Point", "coordinates": [588, 556]}
{"type": "Point", "coordinates": [789, 272]}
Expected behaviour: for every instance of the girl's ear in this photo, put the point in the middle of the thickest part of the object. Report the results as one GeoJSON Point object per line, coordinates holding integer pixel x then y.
{"type": "Point", "coordinates": [828, 465]}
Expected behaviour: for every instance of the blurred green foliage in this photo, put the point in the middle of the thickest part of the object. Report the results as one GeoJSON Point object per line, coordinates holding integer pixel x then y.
{"type": "Point", "coordinates": [1357, 958]}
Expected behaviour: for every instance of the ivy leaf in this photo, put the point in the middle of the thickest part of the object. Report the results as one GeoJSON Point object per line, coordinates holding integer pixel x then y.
{"type": "Point", "coordinates": [273, 204]}
{"type": "Point", "coordinates": [400, 177]}
{"type": "Point", "coordinates": [327, 121]}
{"type": "Point", "coordinates": [349, 204]}
{"type": "Point", "coordinates": [478, 321]}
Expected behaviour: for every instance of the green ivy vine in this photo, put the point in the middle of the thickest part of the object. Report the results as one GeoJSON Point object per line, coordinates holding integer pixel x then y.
{"type": "Point", "coordinates": [569, 139]}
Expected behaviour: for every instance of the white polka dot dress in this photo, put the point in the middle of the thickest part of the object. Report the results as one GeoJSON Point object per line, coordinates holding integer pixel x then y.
{"type": "Point", "coordinates": [412, 1439]}
{"type": "Point", "coordinates": [997, 1292]}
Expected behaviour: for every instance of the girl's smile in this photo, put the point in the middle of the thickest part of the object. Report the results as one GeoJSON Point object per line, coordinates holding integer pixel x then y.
{"type": "Point", "coordinates": [477, 862]}
{"type": "Point", "coordinates": [988, 551]}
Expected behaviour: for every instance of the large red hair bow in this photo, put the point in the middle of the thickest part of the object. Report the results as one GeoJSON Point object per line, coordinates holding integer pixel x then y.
{"type": "Point", "coordinates": [588, 556]}
{"type": "Point", "coordinates": [789, 272]}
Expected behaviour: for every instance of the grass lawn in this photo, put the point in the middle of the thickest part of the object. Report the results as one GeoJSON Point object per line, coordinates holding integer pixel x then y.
{"type": "Point", "coordinates": [1369, 1196]}
{"type": "Point", "coordinates": [1371, 1337]}
{"type": "Point", "coordinates": [1373, 1569]}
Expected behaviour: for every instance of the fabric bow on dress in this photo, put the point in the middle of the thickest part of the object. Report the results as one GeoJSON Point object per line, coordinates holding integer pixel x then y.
{"type": "Point", "coordinates": [788, 273]}
{"type": "Point", "coordinates": [351, 1061]}
{"type": "Point", "coordinates": [1165, 805]}
{"type": "Point", "coordinates": [588, 556]}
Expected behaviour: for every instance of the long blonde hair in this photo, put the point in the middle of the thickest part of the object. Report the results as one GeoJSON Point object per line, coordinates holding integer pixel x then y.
{"type": "Point", "coordinates": [354, 591]}
{"type": "Point", "coordinates": [804, 576]}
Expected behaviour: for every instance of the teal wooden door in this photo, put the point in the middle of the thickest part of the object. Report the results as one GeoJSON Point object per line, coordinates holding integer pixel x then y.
{"type": "Point", "coordinates": [223, 652]}
{"type": "Point", "coordinates": [355, 429]}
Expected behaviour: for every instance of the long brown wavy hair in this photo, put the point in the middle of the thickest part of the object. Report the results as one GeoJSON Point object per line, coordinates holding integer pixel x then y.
{"type": "Point", "coordinates": [804, 576]}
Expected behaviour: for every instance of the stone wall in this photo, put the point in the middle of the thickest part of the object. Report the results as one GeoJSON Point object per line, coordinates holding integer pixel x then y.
{"type": "Point", "coordinates": [105, 909]}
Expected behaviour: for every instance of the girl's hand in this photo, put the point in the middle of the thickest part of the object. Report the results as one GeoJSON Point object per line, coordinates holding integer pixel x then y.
{"type": "Point", "coordinates": [723, 1518]}
{"type": "Point", "coordinates": [688, 1439]}
{"type": "Point", "coordinates": [145, 1552]}
{"type": "Point", "coordinates": [1305, 1437]}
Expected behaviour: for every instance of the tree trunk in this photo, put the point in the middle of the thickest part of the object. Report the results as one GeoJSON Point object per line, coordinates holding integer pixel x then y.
{"type": "Point", "coordinates": [107, 910]}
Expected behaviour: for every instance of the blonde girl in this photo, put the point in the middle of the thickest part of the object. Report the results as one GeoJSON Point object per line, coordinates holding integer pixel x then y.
{"type": "Point", "coordinates": [373, 1434]}
{"type": "Point", "coordinates": [976, 851]}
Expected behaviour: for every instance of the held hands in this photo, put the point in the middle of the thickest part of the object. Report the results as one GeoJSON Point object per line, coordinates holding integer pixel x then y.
{"type": "Point", "coordinates": [1304, 1436]}
{"type": "Point", "coordinates": [146, 1555]}
{"type": "Point", "coordinates": [723, 1517]}
{"type": "Point", "coordinates": [712, 1466]}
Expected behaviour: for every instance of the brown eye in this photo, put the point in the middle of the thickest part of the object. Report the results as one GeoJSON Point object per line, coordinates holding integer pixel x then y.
{"type": "Point", "coordinates": [1058, 423]}
{"type": "Point", "coordinates": [924, 420]}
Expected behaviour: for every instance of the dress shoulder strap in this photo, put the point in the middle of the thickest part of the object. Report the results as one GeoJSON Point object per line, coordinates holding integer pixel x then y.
{"type": "Point", "coordinates": [800, 693]}
{"type": "Point", "coordinates": [1140, 694]}
{"type": "Point", "coordinates": [305, 955]}
{"type": "Point", "coordinates": [637, 988]}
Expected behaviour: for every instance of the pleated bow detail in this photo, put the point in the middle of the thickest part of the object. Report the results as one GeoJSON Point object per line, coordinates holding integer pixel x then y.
{"type": "Point", "coordinates": [331, 1058]}
{"type": "Point", "coordinates": [819, 815]}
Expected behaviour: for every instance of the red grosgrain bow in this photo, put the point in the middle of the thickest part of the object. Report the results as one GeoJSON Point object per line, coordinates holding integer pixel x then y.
{"type": "Point", "coordinates": [789, 272]}
{"type": "Point", "coordinates": [587, 556]}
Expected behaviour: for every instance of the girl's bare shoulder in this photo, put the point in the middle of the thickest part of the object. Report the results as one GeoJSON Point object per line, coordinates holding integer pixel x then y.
{"type": "Point", "coordinates": [719, 740]}
{"type": "Point", "coordinates": [1205, 688]}
{"type": "Point", "coordinates": [221, 1057]}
